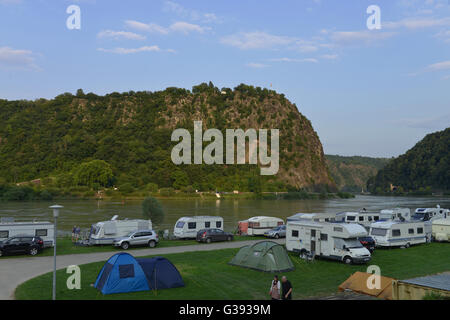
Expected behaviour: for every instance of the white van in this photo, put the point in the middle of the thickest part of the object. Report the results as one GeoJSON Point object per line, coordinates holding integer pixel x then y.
{"type": "Point", "coordinates": [187, 227]}
{"type": "Point", "coordinates": [337, 241]}
{"type": "Point", "coordinates": [105, 232]}
{"type": "Point", "coordinates": [398, 234]}
{"type": "Point", "coordinates": [441, 229]}
{"type": "Point", "coordinates": [257, 226]}
{"type": "Point", "coordinates": [396, 214]}
{"type": "Point", "coordinates": [44, 229]}
{"type": "Point", "coordinates": [430, 214]}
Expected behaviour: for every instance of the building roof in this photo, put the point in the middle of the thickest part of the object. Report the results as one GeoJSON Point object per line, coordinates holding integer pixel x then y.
{"type": "Point", "coordinates": [437, 281]}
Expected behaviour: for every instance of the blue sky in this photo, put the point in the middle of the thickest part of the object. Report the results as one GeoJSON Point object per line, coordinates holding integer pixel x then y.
{"type": "Point", "coordinates": [367, 92]}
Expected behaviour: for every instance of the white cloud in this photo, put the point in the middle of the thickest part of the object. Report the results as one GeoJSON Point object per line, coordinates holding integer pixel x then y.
{"type": "Point", "coordinates": [135, 50]}
{"type": "Point", "coordinates": [359, 37]}
{"type": "Point", "coordinates": [185, 27]}
{"type": "Point", "coordinates": [180, 26]}
{"type": "Point", "coordinates": [256, 65]}
{"type": "Point", "coordinates": [208, 17]}
{"type": "Point", "coordinates": [150, 27]}
{"type": "Point", "coordinates": [17, 59]}
{"type": "Point", "coordinates": [443, 35]}
{"type": "Point", "coordinates": [329, 56]}
{"type": "Point", "coordinates": [417, 23]}
{"type": "Point", "coordinates": [444, 65]}
{"type": "Point", "coordinates": [312, 60]}
{"type": "Point", "coordinates": [120, 35]}
{"type": "Point", "coordinates": [256, 40]}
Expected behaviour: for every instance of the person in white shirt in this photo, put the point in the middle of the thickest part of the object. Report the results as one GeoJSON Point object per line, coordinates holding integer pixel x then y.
{"type": "Point", "coordinates": [275, 289]}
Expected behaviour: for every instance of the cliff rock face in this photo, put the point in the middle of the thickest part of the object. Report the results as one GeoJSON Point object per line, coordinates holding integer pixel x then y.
{"type": "Point", "coordinates": [425, 167]}
{"type": "Point", "coordinates": [131, 131]}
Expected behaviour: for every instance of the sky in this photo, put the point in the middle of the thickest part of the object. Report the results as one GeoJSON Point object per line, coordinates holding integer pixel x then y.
{"type": "Point", "coordinates": [371, 92]}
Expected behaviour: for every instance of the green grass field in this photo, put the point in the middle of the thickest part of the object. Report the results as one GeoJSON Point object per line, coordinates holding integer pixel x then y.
{"type": "Point", "coordinates": [208, 276]}
{"type": "Point", "coordinates": [65, 246]}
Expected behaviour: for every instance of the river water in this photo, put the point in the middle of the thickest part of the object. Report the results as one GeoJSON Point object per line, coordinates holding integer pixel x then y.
{"type": "Point", "coordinates": [86, 212]}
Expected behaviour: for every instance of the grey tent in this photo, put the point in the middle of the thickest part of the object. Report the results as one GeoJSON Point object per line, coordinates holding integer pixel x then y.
{"type": "Point", "coordinates": [267, 256]}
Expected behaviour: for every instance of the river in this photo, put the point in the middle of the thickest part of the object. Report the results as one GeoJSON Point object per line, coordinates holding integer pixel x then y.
{"type": "Point", "coordinates": [86, 212]}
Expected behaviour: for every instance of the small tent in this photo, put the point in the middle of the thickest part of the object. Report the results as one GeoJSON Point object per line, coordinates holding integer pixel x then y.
{"type": "Point", "coordinates": [357, 282]}
{"type": "Point", "coordinates": [267, 256]}
{"type": "Point", "coordinates": [123, 273]}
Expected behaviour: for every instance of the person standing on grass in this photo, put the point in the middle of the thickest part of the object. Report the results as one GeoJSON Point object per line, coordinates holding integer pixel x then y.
{"type": "Point", "coordinates": [275, 289]}
{"type": "Point", "coordinates": [286, 289]}
{"type": "Point", "coordinates": [77, 233]}
{"type": "Point", "coordinates": [74, 230]}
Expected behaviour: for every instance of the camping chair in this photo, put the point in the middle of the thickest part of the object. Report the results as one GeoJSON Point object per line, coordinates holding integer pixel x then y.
{"type": "Point", "coordinates": [309, 257]}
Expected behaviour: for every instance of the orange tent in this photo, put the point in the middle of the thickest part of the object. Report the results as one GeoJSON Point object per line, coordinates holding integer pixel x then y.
{"type": "Point", "coordinates": [357, 282]}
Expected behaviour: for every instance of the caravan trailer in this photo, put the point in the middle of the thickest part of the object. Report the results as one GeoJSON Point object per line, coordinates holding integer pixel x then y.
{"type": "Point", "coordinates": [44, 229]}
{"type": "Point", "coordinates": [430, 214]}
{"type": "Point", "coordinates": [330, 240]}
{"type": "Point", "coordinates": [363, 218]}
{"type": "Point", "coordinates": [317, 217]}
{"type": "Point", "coordinates": [398, 234]}
{"type": "Point", "coordinates": [257, 226]}
{"type": "Point", "coordinates": [187, 227]}
{"type": "Point", "coordinates": [395, 214]}
{"type": "Point", "coordinates": [441, 229]}
{"type": "Point", "coordinates": [105, 232]}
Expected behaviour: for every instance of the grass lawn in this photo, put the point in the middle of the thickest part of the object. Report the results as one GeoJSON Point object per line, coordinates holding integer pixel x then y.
{"type": "Point", "coordinates": [208, 276]}
{"type": "Point", "coordinates": [65, 246]}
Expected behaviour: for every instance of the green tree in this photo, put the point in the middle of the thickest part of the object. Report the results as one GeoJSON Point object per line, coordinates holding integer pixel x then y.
{"type": "Point", "coordinates": [152, 209]}
{"type": "Point", "coordinates": [95, 171]}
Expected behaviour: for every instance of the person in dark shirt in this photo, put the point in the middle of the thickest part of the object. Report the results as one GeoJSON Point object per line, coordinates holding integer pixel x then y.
{"type": "Point", "coordinates": [286, 289]}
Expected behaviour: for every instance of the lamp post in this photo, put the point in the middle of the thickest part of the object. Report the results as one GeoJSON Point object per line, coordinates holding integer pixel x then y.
{"type": "Point", "coordinates": [55, 208]}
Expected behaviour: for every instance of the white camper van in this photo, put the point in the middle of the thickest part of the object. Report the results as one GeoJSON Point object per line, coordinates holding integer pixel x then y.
{"type": "Point", "coordinates": [398, 234]}
{"type": "Point", "coordinates": [317, 217]}
{"type": "Point", "coordinates": [257, 226]}
{"type": "Point", "coordinates": [105, 232]}
{"type": "Point", "coordinates": [337, 241]}
{"type": "Point", "coordinates": [187, 227]}
{"type": "Point", "coordinates": [441, 229]}
{"type": "Point", "coordinates": [43, 229]}
{"type": "Point", "coordinates": [430, 214]}
{"type": "Point", "coordinates": [363, 218]}
{"type": "Point", "coordinates": [396, 214]}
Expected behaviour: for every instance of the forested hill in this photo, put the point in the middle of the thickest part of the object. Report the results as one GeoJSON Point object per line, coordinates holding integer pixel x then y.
{"type": "Point", "coordinates": [131, 132]}
{"type": "Point", "coordinates": [425, 167]}
{"type": "Point", "coordinates": [351, 173]}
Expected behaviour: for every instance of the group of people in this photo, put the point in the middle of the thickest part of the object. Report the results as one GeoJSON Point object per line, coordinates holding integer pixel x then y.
{"type": "Point", "coordinates": [281, 290]}
{"type": "Point", "coordinates": [76, 233]}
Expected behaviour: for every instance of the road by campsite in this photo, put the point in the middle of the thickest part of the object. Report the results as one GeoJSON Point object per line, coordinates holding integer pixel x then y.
{"type": "Point", "coordinates": [13, 272]}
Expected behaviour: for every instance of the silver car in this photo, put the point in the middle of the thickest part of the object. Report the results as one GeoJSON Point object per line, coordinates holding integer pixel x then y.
{"type": "Point", "coordinates": [278, 232]}
{"type": "Point", "coordinates": [137, 238]}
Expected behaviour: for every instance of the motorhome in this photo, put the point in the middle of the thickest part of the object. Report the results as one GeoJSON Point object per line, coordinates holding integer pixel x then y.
{"type": "Point", "coordinates": [43, 229]}
{"type": "Point", "coordinates": [400, 234]}
{"type": "Point", "coordinates": [430, 214]}
{"type": "Point", "coordinates": [396, 214]}
{"type": "Point", "coordinates": [363, 218]}
{"type": "Point", "coordinates": [441, 229]}
{"type": "Point", "coordinates": [104, 232]}
{"type": "Point", "coordinates": [187, 227]}
{"type": "Point", "coordinates": [257, 226]}
{"type": "Point", "coordinates": [317, 217]}
{"type": "Point", "coordinates": [330, 240]}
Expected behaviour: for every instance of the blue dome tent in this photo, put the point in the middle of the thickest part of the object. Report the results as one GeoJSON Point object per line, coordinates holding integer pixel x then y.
{"type": "Point", "coordinates": [123, 273]}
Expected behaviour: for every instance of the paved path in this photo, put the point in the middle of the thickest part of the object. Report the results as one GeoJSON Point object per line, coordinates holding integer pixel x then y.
{"type": "Point", "coordinates": [16, 271]}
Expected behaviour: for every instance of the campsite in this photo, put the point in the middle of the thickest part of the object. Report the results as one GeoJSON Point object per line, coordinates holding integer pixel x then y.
{"type": "Point", "coordinates": [207, 275]}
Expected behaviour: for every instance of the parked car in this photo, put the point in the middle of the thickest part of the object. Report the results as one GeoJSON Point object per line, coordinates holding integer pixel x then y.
{"type": "Point", "coordinates": [368, 243]}
{"type": "Point", "coordinates": [21, 244]}
{"type": "Point", "coordinates": [210, 235]}
{"type": "Point", "coordinates": [277, 232]}
{"type": "Point", "coordinates": [137, 238]}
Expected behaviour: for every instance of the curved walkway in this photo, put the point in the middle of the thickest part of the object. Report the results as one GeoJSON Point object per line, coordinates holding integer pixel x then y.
{"type": "Point", "coordinates": [13, 272]}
